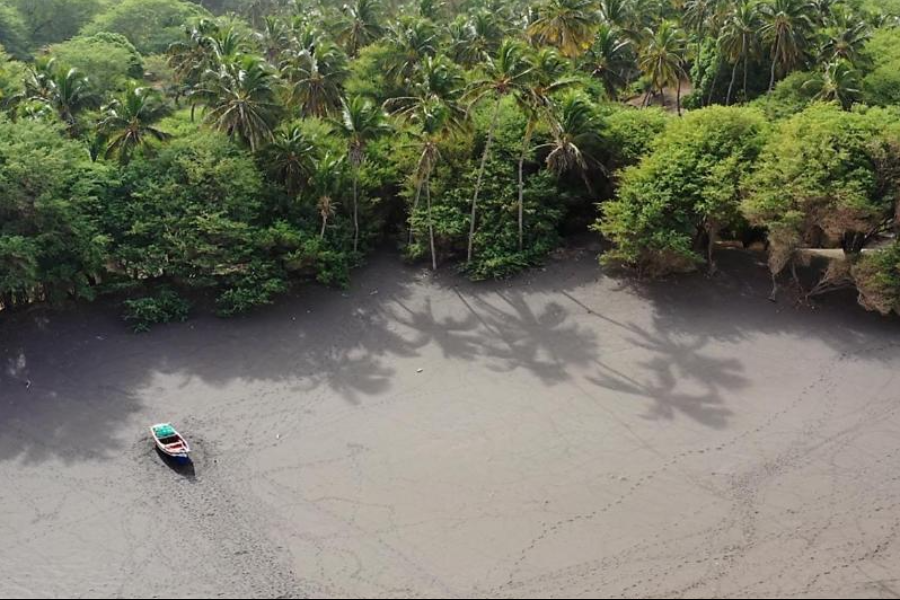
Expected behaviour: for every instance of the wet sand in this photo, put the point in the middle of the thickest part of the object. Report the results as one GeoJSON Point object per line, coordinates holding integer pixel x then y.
{"type": "Point", "coordinates": [563, 434]}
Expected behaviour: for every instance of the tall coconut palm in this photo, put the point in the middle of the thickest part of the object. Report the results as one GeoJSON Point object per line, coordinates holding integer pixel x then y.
{"type": "Point", "coordinates": [273, 39]}
{"type": "Point", "coordinates": [129, 122]}
{"type": "Point", "coordinates": [361, 121]}
{"type": "Point", "coordinates": [315, 77]}
{"type": "Point", "coordinates": [565, 24]}
{"type": "Point", "coordinates": [786, 27]}
{"type": "Point", "coordinates": [505, 74]}
{"type": "Point", "coordinates": [360, 25]}
{"type": "Point", "coordinates": [662, 58]}
{"type": "Point", "coordinates": [434, 109]}
{"type": "Point", "coordinates": [738, 40]}
{"type": "Point", "coordinates": [610, 59]}
{"type": "Point", "coordinates": [290, 157]}
{"type": "Point", "coordinates": [240, 100]}
{"type": "Point", "coordinates": [574, 137]}
{"type": "Point", "coordinates": [700, 17]}
{"type": "Point", "coordinates": [548, 74]}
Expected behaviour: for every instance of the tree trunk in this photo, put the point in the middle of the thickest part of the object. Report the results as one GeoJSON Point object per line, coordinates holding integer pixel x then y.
{"type": "Point", "coordinates": [712, 88]}
{"type": "Point", "coordinates": [678, 97]}
{"type": "Point", "coordinates": [430, 222]}
{"type": "Point", "coordinates": [774, 62]}
{"type": "Point", "coordinates": [731, 85]}
{"type": "Point", "coordinates": [355, 209]}
{"type": "Point", "coordinates": [526, 142]}
{"type": "Point", "coordinates": [324, 224]}
{"type": "Point", "coordinates": [414, 206]}
{"type": "Point", "coordinates": [711, 241]}
{"type": "Point", "coordinates": [484, 157]}
{"type": "Point", "coordinates": [746, 60]}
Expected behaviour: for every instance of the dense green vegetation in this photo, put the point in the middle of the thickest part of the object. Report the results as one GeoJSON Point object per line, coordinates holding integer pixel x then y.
{"type": "Point", "coordinates": [170, 151]}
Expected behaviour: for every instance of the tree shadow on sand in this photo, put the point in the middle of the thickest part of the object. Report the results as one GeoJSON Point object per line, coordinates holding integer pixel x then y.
{"type": "Point", "coordinates": [66, 375]}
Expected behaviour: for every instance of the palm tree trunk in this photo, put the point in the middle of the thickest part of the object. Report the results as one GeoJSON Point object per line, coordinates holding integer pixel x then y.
{"type": "Point", "coordinates": [712, 88]}
{"type": "Point", "coordinates": [774, 62]}
{"type": "Point", "coordinates": [731, 85]}
{"type": "Point", "coordinates": [678, 97]}
{"type": "Point", "coordinates": [526, 142]}
{"type": "Point", "coordinates": [355, 209]}
{"type": "Point", "coordinates": [324, 224]}
{"type": "Point", "coordinates": [484, 157]}
{"type": "Point", "coordinates": [415, 206]}
{"type": "Point", "coordinates": [746, 60]}
{"type": "Point", "coordinates": [430, 222]}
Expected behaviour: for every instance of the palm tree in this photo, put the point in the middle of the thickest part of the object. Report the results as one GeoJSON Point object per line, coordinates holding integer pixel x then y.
{"type": "Point", "coordinates": [315, 77]}
{"type": "Point", "coordinates": [574, 132]}
{"type": "Point", "coordinates": [128, 124]}
{"type": "Point", "coordinates": [837, 82]}
{"type": "Point", "coordinates": [474, 36]}
{"type": "Point", "coordinates": [409, 41]}
{"type": "Point", "coordinates": [701, 17]}
{"type": "Point", "coordinates": [738, 39]}
{"type": "Point", "coordinates": [662, 59]}
{"type": "Point", "coordinates": [273, 39]}
{"type": "Point", "coordinates": [505, 74]}
{"type": "Point", "coordinates": [566, 24]}
{"type": "Point", "coordinates": [547, 75]}
{"type": "Point", "coordinates": [290, 157]}
{"type": "Point", "coordinates": [786, 27]}
{"type": "Point", "coordinates": [845, 36]}
{"type": "Point", "coordinates": [240, 100]}
{"type": "Point", "coordinates": [360, 26]}
{"type": "Point", "coordinates": [327, 180]}
{"type": "Point", "coordinates": [360, 122]}
{"type": "Point", "coordinates": [610, 59]}
{"type": "Point", "coordinates": [65, 91]}
{"type": "Point", "coordinates": [434, 108]}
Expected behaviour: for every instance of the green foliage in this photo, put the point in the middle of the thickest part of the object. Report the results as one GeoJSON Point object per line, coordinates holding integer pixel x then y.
{"type": "Point", "coordinates": [628, 133]}
{"type": "Point", "coordinates": [164, 306]}
{"type": "Point", "coordinates": [12, 78]}
{"type": "Point", "coordinates": [51, 246]}
{"type": "Point", "coordinates": [108, 59]}
{"type": "Point", "coordinates": [52, 21]}
{"type": "Point", "coordinates": [684, 191]}
{"type": "Point", "coordinates": [13, 32]}
{"type": "Point", "coordinates": [877, 277]}
{"type": "Point", "coordinates": [881, 83]}
{"type": "Point", "coordinates": [825, 178]}
{"type": "Point", "coordinates": [151, 25]}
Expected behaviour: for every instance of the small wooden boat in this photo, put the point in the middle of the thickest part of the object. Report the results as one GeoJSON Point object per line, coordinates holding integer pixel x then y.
{"type": "Point", "coordinates": [169, 441]}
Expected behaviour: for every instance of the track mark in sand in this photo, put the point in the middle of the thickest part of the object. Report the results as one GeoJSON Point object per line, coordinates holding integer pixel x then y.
{"type": "Point", "coordinates": [203, 501]}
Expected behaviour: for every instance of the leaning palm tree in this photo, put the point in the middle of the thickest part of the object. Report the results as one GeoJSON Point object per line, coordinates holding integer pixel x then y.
{"type": "Point", "coordinates": [786, 28]}
{"type": "Point", "coordinates": [129, 122]}
{"type": "Point", "coordinates": [574, 134]}
{"type": "Point", "coordinates": [290, 157]}
{"type": "Point", "coordinates": [662, 59]}
{"type": "Point", "coordinates": [240, 100]}
{"type": "Point", "coordinates": [360, 25]}
{"type": "Point", "coordinates": [565, 24]}
{"type": "Point", "coordinates": [610, 59]}
{"type": "Point", "coordinates": [549, 73]}
{"type": "Point", "coordinates": [315, 77]}
{"type": "Point", "coordinates": [505, 74]}
{"type": "Point", "coordinates": [360, 122]}
{"type": "Point", "coordinates": [837, 82]}
{"type": "Point", "coordinates": [738, 39]}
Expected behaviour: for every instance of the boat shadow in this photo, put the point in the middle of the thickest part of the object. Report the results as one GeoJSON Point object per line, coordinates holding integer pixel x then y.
{"type": "Point", "coordinates": [183, 466]}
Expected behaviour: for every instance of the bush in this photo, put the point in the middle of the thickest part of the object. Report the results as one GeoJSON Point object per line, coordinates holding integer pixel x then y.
{"type": "Point", "coordinates": [877, 276]}
{"type": "Point", "coordinates": [151, 25]}
{"type": "Point", "coordinates": [672, 205]}
{"type": "Point", "coordinates": [163, 307]}
{"type": "Point", "coordinates": [108, 59]}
